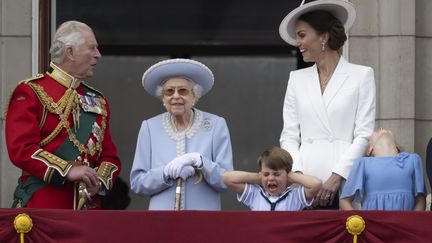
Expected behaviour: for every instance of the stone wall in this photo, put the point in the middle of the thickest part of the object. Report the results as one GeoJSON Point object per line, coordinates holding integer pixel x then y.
{"type": "Point", "coordinates": [15, 65]}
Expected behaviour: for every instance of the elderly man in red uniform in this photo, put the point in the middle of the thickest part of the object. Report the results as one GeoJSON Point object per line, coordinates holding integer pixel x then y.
{"type": "Point", "coordinates": [57, 129]}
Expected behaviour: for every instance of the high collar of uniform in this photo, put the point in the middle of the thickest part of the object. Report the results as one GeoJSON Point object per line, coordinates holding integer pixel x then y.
{"type": "Point", "coordinates": [62, 77]}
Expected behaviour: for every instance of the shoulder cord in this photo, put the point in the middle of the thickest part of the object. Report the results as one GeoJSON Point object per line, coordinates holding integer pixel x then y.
{"type": "Point", "coordinates": [63, 108]}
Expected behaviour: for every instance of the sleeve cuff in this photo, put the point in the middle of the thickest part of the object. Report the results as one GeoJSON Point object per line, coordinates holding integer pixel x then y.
{"type": "Point", "coordinates": [57, 167]}
{"type": "Point", "coordinates": [105, 172]}
{"type": "Point", "coordinates": [57, 179]}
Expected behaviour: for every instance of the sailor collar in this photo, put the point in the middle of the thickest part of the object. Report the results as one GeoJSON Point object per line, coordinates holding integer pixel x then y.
{"type": "Point", "coordinates": [62, 77]}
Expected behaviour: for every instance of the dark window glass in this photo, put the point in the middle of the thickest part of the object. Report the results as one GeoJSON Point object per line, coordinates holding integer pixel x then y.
{"type": "Point", "coordinates": [183, 27]}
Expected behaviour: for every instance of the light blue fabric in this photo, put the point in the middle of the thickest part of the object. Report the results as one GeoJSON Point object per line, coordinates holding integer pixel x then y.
{"type": "Point", "coordinates": [386, 183]}
{"type": "Point", "coordinates": [155, 149]}
{"type": "Point", "coordinates": [189, 69]}
{"type": "Point", "coordinates": [295, 201]}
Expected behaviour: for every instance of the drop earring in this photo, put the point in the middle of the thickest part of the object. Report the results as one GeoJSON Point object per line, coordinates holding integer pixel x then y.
{"type": "Point", "coordinates": [322, 46]}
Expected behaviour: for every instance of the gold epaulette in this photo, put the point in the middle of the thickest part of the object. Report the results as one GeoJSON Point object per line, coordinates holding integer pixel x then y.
{"type": "Point", "coordinates": [93, 89]}
{"type": "Point", "coordinates": [62, 107]}
{"type": "Point", "coordinates": [38, 76]}
{"type": "Point", "coordinates": [48, 102]}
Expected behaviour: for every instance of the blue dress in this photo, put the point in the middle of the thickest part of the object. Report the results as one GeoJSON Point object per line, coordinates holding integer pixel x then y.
{"type": "Point", "coordinates": [159, 143]}
{"type": "Point", "coordinates": [386, 183]}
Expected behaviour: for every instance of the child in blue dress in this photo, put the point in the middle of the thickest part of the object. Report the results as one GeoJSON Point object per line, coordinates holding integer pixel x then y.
{"type": "Point", "coordinates": [270, 189]}
{"type": "Point", "coordinates": [387, 180]}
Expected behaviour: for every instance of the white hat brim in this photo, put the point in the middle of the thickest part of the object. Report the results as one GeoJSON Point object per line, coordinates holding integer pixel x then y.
{"type": "Point", "coordinates": [342, 10]}
{"type": "Point", "coordinates": [160, 72]}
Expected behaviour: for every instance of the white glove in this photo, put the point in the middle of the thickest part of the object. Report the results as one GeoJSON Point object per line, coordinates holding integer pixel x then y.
{"type": "Point", "coordinates": [172, 169]}
{"type": "Point", "coordinates": [193, 159]}
{"type": "Point", "coordinates": [186, 172]}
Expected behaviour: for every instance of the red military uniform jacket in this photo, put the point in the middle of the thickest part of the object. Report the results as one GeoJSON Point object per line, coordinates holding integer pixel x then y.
{"type": "Point", "coordinates": [53, 122]}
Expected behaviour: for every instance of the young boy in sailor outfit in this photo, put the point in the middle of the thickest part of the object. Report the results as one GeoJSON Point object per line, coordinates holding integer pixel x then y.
{"type": "Point", "coordinates": [271, 188]}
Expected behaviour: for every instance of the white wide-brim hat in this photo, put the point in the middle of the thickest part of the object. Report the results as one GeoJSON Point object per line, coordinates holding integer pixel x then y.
{"type": "Point", "coordinates": [342, 10]}
{"type": "Point", "coordinates": [189, 69]}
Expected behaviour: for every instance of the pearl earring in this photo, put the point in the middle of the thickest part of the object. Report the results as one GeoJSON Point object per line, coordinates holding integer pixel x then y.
{"type": "Point", "coordinates": [322, 46]}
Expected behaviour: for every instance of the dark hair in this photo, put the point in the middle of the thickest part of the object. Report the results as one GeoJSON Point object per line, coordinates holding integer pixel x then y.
{"type": "Point", "coordinates": [322, 22]}
{"type": "Point", "coordinates": [276, 158]}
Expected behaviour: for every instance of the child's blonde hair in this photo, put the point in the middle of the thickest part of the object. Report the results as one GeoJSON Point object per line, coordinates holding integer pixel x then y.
{"type": "Point", "coordinates": [370, 144]}
{"type": "Point", "coordinates": [276, 158]}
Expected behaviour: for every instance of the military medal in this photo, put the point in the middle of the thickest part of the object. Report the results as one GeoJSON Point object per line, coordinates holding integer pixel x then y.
{"type": "Point", "coordinates": [90, 145]}
{"type": "Point", "coordinates": [93, 104]}
{"type": "Point", "coordinates": [97, 131]}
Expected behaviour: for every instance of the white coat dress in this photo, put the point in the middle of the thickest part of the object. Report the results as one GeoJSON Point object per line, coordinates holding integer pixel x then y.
{"type": "Point", "coordinates": [325, 133]}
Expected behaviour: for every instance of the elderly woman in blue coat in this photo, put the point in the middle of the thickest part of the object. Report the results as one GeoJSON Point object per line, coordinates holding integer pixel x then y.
{"type": "Point", "coordinates": [182, 153]}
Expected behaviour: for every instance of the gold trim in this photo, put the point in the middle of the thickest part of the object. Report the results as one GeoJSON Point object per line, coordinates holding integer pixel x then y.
{"type": "Point", "coordinates": [49, 174]}
{"type": "Point", "coordinates": [26, 81]}
{"type": "Point", "coordinates": [70, 101]}
{"type": "Point", "coordinates": [105, 172]}
{"type": "Point", "coordinates": [62, 77]}
{"type": "Point", "coordinates": [81, 147]}
{"type": "Point", "coordinates": [44, 116]}
{"type": "Point", "coordinates": [54, 107]}
{"type": "Point", "coordinates": [62, 107]}
{"type": "Point", "coordinates": [53, 162]}
{"type": "Point", "coordinates": [52, 135]}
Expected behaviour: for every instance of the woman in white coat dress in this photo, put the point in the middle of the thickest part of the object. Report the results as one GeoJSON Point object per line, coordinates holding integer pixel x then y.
{"type": "Point", "coordinates": [329, 108]}
{"type": "Point", "coordinates": [178, 147]}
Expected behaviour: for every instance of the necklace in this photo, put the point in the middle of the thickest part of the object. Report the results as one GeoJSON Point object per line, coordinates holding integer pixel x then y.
{"type": "Point", "coordinates": [324, 81]}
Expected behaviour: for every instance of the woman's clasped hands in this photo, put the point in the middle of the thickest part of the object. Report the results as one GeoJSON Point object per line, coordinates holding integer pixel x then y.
{"type": "Point", "coordinates": [183, 166]}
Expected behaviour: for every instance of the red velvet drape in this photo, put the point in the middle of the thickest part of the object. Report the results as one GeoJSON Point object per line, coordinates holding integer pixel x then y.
{"type": "Point", "coordinates": [228, 226]}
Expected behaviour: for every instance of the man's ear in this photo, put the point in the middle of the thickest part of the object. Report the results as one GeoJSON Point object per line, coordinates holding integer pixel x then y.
{"type": "Point", "coordinates": [69, 52]}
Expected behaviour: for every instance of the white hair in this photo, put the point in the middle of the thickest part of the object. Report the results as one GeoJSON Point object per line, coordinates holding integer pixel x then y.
{"type": "Point", "coordinates": [69, 34]}
{"type": "Point", "coordinates": [196, 89]}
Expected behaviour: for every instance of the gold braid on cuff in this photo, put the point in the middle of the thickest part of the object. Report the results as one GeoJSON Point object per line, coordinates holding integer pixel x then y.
{"type": "Point", "coordinates": [105, 172]}
{"type": "Point", "coordinates": [53, 162]}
